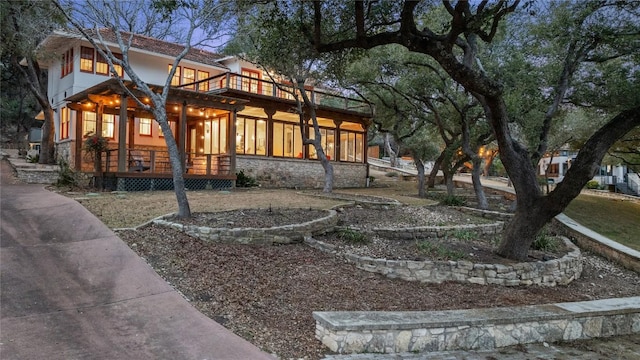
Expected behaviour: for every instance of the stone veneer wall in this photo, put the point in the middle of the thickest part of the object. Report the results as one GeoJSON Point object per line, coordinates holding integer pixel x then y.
{"type": "Point", "coordinates": [475, 329]}
{"type": "Point", "coordinates": [547, 273]}
{"type": "Point", "coordinates": [296, 173]}
{"type": "Point", "coordinates": [260, 236]}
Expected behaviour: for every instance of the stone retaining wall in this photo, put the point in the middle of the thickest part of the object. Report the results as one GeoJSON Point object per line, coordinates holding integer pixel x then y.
{"type": "Point", "coordinates": [287, 234]}
{"type": "Point", "coordinates": [434, 232]}
{"type": "Point", "coordinates": [34, 175]}
{"type": "Point", "coordinates": [547, 273]}
{"type": "Point", "coordinates": [297, 173]}
{"type": "Point", "coordinates": [475, 329]}
{"type": "Point", "coordinates": [487, 214]}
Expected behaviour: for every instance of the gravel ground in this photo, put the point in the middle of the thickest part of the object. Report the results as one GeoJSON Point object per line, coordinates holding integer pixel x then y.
{"type": "Point", "coordinates": [266, 294]}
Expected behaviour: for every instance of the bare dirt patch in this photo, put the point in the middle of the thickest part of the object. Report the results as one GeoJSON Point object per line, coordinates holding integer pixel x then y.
{"type": "Point", "coordinates": [266, 294]}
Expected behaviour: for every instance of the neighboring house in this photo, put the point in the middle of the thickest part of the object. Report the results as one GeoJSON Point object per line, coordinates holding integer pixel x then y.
{"type": "Point", "coordinates": [224, 112]}
{"type": "Point", "coordinates": [617, 178]}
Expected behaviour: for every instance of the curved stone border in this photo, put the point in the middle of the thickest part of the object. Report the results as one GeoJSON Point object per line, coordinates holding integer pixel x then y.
{"type": "Point", "coordinates": [547, 273]}
{"type": "Point", "coordinates": [287, 234]}
{"type": "Point", "coordinates": [355, 201]}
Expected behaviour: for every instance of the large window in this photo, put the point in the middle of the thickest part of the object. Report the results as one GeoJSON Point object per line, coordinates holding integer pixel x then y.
{"type": "Point", "coordinates": [189, 77]}
{"type": "Point", "coordinates": [287, 140]}
{"type": "Point", "coordinates": [145, 127]}
{"type": "Point", "coordinates": [328, 140]}
{"type": "Point", "coordinates": [203, 86]}
{"type": "Point", "coordinates": [251, 81]}
{"type": "Point", "coordinates": [102, 66]}
{"type": "Point", "coordinates": [108, 125]}
{"type": "Point", "coordinates": [251, 136]}
{"type": "Point", "coordinates": [215, 136]}
{"type": "Point", "coordinates": [88, 123]}
{"type": "Point", "coordinates": [66, 67]}
{"type": "Point", "coordinates": [86, 59]}
{"type": "Point", "coordinates": [351, 146]}
{"type": "Point", "coordinates": [65, 120]}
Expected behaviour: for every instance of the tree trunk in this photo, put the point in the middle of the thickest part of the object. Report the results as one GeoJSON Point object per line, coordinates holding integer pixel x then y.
{"type": "Point", "coordinates": [97, 170]}
{"type": "Point", "coordinates": [47, 144]}
{"type": "Point", "coordinates": [448, 180]}
{"type": "Point", "coordinates": [177, 167]}
{"type": "Point", "coordinates": [421, 178]}
{"type": "Point", "coordinates": [477, 185]}
{"type": "Point", "coordinates": [393, 156]}
{"type": "Point", "coordinates": [521, 232]}
{"type": "Point", "coordinates": [431, 182]}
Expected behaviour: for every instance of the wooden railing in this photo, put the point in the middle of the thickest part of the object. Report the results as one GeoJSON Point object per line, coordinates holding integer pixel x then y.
{"type": "Point", "coordinates": [219, 83]}
{"type": "Point", "coordinates": [157, 162]}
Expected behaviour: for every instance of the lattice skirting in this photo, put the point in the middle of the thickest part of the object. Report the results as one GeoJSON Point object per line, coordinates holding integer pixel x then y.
{"type": "Point", "coordinates": [158, 184]}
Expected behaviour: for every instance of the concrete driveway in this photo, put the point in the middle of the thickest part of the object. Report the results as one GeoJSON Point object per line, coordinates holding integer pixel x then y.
{"type": "Point", "coordinates": [71, 289]}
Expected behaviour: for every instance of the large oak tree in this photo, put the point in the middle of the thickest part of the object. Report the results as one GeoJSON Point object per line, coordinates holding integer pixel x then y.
{"type": "Point", "coordinates": [595, 31]}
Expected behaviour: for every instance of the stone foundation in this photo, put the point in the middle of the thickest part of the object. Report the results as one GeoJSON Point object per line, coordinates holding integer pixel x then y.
{"type": "Point", "coordinates": [302, 174]}
{"type": "Point", "coordinates": [475, 329]}
{"type": "Point", "coordinates": [546, 273]}
{"type": "Point", "coordinates": [287, 234]}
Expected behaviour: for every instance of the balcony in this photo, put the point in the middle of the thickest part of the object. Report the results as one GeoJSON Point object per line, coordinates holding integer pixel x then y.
{"type": "Point", "coordinates": [321, 98]}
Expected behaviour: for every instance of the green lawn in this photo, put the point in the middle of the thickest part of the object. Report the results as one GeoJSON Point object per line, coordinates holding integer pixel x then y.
{"type": "Point", "coordinates": [615, 219]}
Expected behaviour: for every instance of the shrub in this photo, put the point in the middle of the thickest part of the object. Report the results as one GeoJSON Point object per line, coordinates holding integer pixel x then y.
{"type": "Point", "coordinates": [66, 175]}
{"type": "Point", "coordinates": [244, 181]}
{"type": "Point", "coordinates": [352, 236]}
{"type": "Point", "coordinates": [452, 200]}
{"type": "Point", "coordinates": [545, 241]}
{"type": "Point", "coordinates": [593, 184]}
{"type": "Point", "coordinates": [33, 159]}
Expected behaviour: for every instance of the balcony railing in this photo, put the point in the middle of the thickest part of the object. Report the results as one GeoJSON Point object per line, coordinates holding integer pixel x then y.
{"type": "Point", "coordinates": [219, 83]}
{"type": "Point", "coordinates": [158, 162]}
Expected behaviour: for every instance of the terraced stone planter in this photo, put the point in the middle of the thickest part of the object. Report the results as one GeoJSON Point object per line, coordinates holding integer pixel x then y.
{"type": "Point", "coordinates": [287, 234]}
{"type": "Point", "coordinates": [547, 273]}
{"type": "Point", "coordinates": [434, 232]}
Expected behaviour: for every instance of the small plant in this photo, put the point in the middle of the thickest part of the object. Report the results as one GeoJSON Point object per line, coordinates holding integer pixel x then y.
{"type": "Point", "coordinates": [466, 235]}
{"type": "Point", "coordinates": [245, 181]}
{"type": "Point", "coordinates": [391, 174]}
{"type": "Point", "coordinates": [545, 241]}
{"type": "Point", "coordinates": [352, 236]}
{"type": "Point", "coordinates": [452, 200]}
{"type": "Point", "coordinates": [439, 251]}
{"type": "Point", "coordinates": [66, 175]}
{"type": "Point", "coordinates": [33, 159]}
{"type": "Point", "coordinates": [593, 184]}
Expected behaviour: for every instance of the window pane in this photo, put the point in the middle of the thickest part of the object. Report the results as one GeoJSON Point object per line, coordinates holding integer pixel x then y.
{"type": "Point", "coordinates": [207, 137]}
{"type": "Point", "coordinates": [261, 137]}
{"type": "Point", "coordinates": [175, 81]}
{"type": "Point", "coordinates": [102, 67]}
{"type": "Point", "coordinates": [278, 139]}
{"type": "Point", "coordinates": [189, 77]}
{"type": "Point", "coordinates": [297, 144]}
{"type": "Point", "coordinates": [240, 136]}
{"type": "Point", "coordinates": [118, 67]}
{"type": "Point", "coordinates": [223, 136]}
{"type": "Point", "coordinates": [108, 124]}
{"type": "Point", "coordinates": [145, 126]}
{"type": "Point", "coordinates": [250, 136]}
{"type": "Point", "coordinates": [86, 59]}
{"type": "Point", "coordinates": [359, 147]}
{"type": "Point", "coordinates": [330, 145]}
{"type": "Point", "coordinates": [344, 136]}
{"type": "Point", "coordinates": [203, 86]}
{"type": "Point", "coordinates": [88, 123]}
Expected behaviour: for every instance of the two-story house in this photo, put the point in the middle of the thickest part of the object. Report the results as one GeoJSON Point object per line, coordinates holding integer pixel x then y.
{"type": "Point", "coordinates": [225, 114]}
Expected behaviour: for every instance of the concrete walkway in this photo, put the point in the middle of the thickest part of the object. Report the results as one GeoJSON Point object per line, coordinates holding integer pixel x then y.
{"type": "Point", "coordinates": [71, 289]}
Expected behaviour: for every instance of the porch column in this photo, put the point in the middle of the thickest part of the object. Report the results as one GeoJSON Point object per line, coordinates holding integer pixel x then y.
{"type": "Point", "coordinates": [99, 112]}
{"type": "Point", "coordinates": [232, 143]}
{"type": "Point", "coordinates": [132, 131]}
{"type": "Point", "coordinates": [270, 112]}
{"type": "Point", "coordinates": [77, 161]}
{"type": "Point", "coordinates": [122, 135]}
{"type": "Point", "coordinates": [365, 145]}
{"type": "Point", "coordinates": [338, 123]}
